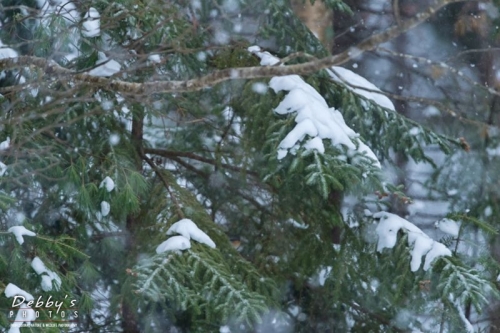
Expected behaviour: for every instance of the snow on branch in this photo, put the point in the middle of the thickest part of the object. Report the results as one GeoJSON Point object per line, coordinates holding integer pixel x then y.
{"type": "Point", "coordinates": [459, 307]}
{"type": "Point", "coordinates": [48, 276]}
{"type": "Point", "coordinates": [53, 69]}
{"type": "Point", "coordinates": [360, 86]}
{"type": "Point", "coordinates": [7, 52]}
{"type": "Point", "coordinates": [12, 290]}
{"type": "Point", "coordinates": [422, 245]}
{"type": "Point", "coordinates": [313, 116]}
{"type": "Point", "coordinates": [187, 230]}
{"type": "Point", "coordinates": [175, 243]}
{"type": "Point", "coordinates": [108, 184]}
{"type": "Point", "coordinates": [25, 312]}
{"type": "Point", "coordinates": [20, 231]}
{"type": "Point", "coordinates": [91, 26]}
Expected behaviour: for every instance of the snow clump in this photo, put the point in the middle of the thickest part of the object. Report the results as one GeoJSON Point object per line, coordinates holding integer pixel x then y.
{"type": "Point", "coordinates": [422, 245]}
{"type": "Point", "coordinates": [186, 230]}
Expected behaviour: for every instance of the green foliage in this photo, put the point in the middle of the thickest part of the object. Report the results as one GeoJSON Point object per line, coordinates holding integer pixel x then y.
{"type": "Point", "coordinates": [234, 56]}
{"type": "Point", "coordinates": [477, 223]}
{"type": "Point", "coordinates": [212, 157]}
{"type": "Point", "coordinates": [200, 281]}
{"type": "Point", "coordinates": [463, 284]}
{"type": "Point", "coordinates": [324, 172]}
{"type": "Point", "coordinates": [385, 129]}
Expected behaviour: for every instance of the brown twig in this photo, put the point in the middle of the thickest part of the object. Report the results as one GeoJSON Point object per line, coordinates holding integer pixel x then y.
{"type": "Point", "coordinates": [158, 172]}
{"type": "Point", "coordinates": [172, 153]}
{"type": "Point", "coordinates": [53, 69]}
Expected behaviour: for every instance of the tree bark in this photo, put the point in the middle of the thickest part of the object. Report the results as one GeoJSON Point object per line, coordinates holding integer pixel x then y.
{"type": "Point", "coordinates": [129, 316]}
{"type": "Point", "coordinates": [318, 18]}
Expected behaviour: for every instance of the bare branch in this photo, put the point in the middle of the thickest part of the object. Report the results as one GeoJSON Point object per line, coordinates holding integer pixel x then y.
{"type": "Point", "coordinates": [169, 154]}
{"type": "Point", "coordinates": [207, 81]}
{"type": "Point", "coordinates": [445, 66]}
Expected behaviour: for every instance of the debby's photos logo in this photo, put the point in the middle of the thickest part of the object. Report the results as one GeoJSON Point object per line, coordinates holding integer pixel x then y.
{"type": "Point", "coordinates": [43, 312]}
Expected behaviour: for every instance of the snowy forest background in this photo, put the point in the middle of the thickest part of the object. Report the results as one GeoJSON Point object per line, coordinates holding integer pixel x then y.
{"type": "Point", "coordinates": [163, 164]}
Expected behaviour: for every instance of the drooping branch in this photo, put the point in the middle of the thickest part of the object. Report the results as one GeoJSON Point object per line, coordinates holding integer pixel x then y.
{"type": "Point", "coordinates": [415, 99]}
{"type": "Point", "coordinates": [444, 66]}
{"type": "Point", "coordinates": [54, 70]}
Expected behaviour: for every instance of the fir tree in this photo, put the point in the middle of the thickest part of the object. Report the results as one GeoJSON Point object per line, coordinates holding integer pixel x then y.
{"type": "Point", "coordinates": [122, 182]}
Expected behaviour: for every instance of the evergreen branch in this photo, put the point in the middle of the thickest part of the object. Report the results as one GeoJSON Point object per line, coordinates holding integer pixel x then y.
{"type": "Point", "coordinates": [158, 172]}
{"type": "Point", "coordinates": [51, 68]}
{"type": "Point", "coordinates": [160, 278]}
{"type": "Point", "coordinates": [466, 284]}
{"type": "Point", "coordinates": [193, 277]}
{"type": "Point", "coordinates": [205, 175]}
{"type": "Point", "coordinates": [102, 235]}
{"type": "Point", "coordinates": [381, 319]}
{"type": "Point", "coordinates": [232, 293]}
{"type": "Point", "coordinates": [486, 227]}
{"type": "Point", "coordinates": [62, 244]}
{"type": "Point", "coordinates": [394, 125]}
{"type": "Point", "coordinates": [416, 99]}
